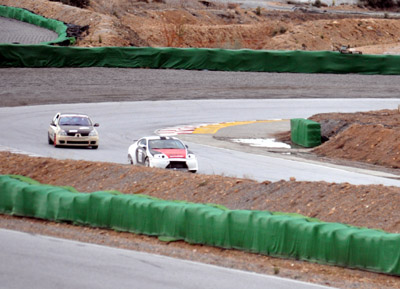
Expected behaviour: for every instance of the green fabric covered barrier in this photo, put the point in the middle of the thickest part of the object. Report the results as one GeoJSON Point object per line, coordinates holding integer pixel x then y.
{"type": "Point", "coordinates": [305, 132]}
{"type": "Point", "coordinates": [281, 235]}
{"type": "Point", "coordinates": [26, 16]}
{"type": "Point", "coordinates": [197, 59]}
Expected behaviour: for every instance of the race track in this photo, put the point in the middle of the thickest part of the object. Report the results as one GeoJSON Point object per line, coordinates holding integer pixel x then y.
{"type": "Point", "coordinates": [25, 129]}
{"type": "Point", "coordinates": [14, 31]}
{"type": "Point", "coordinates": [123, 102]}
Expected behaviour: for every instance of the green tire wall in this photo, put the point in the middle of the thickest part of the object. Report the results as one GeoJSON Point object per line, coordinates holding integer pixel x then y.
{"type": "Point", "coordinates": [304, 132]}
{"type": "Point", "coordinates": [274, 234]}
{"type": "Point", "coordinates": [26, 16]}
{"type": "Point", "coordinates": [197, 59]}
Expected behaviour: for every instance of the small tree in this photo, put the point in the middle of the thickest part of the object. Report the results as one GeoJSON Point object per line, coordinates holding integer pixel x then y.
{"type": "Point", "coordinates": [76, 3]}
{"type": "Point", "coordinates": [317, 3]}
{"type": "Point", "coordinates": [380, 4]}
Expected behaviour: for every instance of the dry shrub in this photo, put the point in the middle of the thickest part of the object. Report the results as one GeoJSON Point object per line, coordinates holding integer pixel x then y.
{"type": "Point", "coordinates": [174, 34]}
{"type": "Point", "coordinates": [76, 3]}
{"type": "Point", "coordinates": [380, 4]}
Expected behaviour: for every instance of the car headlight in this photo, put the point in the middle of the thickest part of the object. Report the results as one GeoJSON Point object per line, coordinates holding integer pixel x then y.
{"type": "Point", "coordinates": [62, 132]}
{"type": "Point", "coordinates": [93, 133]}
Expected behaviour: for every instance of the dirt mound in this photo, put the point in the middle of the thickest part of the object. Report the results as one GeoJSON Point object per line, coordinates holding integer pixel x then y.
{"type": "Point", "coordinates": [370, 137]}
{"type": "Point", "coordinates": [215, 25]}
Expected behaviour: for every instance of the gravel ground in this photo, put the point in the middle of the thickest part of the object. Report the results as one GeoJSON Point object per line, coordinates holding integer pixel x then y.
{"type": "Point", "coordinates": [29, 86]}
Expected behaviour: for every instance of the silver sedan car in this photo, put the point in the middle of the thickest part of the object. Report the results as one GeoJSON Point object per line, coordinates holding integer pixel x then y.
{"type": "Point", "coordinates": [73, 129]}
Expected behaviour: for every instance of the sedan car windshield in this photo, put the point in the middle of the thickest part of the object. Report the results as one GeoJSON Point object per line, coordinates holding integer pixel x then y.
{"type": "Point", "coordinates": [75, 120]}
{"type": "Point", "coordinates": [165, 144]}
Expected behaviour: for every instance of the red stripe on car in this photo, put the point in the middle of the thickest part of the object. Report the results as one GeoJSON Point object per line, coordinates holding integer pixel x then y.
{"type": "Point", "coordinates": [173, 153]}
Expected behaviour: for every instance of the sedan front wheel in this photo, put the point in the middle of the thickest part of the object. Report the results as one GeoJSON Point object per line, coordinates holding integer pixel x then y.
{"type": "Point", "coordinates": [49, 139]}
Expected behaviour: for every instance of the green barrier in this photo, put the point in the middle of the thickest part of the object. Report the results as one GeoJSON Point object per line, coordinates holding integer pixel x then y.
{"type": "Point", "coordinates": [197, 59]}
{"type": "Point", "coordinates": [26, 16]}
{"type": "Point", "coordinates": [304, 132]}
{"type": "Point", "coordinates": [281, 235]}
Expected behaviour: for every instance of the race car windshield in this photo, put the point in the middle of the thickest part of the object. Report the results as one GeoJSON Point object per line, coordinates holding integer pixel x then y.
{"type": "Point", "coordinates": [74, 120]}
{"type": "Point", "coordinates": [165, 144]}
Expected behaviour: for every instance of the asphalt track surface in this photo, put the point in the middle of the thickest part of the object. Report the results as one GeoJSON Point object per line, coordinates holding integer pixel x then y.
{"type": "Point", "coordinates": [48, 263]}
{"type": "Point", "coordinates": [25, 128]}
{"type": "Point", "coordinates": [13, 31]}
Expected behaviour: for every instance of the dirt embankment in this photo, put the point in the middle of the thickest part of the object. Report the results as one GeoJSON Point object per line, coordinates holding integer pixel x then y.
{"type": "Point", "coordinates": [362, 139]}
{"type": "Point", "coordinates": [207, 24]}
{"type": "Point", "coordinates": [370, 137]}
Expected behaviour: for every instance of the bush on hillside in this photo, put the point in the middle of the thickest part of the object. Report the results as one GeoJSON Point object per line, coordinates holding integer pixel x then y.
{"type": "Point", "coordinates": [380, 4]}
{"type": "Point", "coordinates": [76, 3]}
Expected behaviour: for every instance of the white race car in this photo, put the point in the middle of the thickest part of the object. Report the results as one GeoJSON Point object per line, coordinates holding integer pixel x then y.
{"type": "Point", "coordinates": [162, 152]}
{"type": "Point", "coordinates": [72, 129]}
